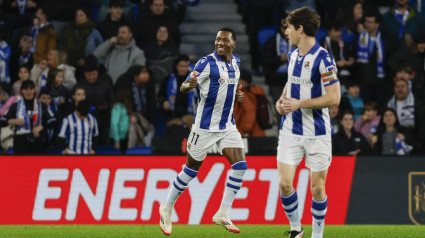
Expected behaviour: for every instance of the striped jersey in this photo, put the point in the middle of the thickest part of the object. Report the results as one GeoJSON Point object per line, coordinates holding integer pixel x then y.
{"type": "Point", "coordinates": [308, 77]}
{"type": "Point", "coordinates": [217, 85]}
{"type": "Point", "coordinates": [78, 133]}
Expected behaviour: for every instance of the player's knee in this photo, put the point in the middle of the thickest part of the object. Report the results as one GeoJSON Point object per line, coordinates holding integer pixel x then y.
{"type": "Point", "coordinates": [285, 187]}
{"type": "Point", "coordinates": [318, 192]}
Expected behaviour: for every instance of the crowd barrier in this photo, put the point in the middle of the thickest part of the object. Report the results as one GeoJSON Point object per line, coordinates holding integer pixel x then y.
{"type": "Point", "coordinates": [129, 189]}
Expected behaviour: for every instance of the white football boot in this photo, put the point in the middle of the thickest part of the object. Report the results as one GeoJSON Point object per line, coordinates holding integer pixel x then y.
{"type": "Point", "coordinates": [165, 220]}
{"type": "Point", "coordinates": [225, 222]}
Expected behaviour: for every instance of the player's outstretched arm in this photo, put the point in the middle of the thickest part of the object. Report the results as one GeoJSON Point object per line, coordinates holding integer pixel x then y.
{"type": "Point", "coordinates": [189, 84]}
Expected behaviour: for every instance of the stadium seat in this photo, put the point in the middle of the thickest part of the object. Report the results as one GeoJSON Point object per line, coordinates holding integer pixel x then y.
{"type": "Point", "coordinates": [107, 150]}
{"type": "Point", "coordinates": [139, 150]}
{"type": "Point", "coordinates": [54, 151]}
{"type": "Point", "coordinates": [265, 33]}
{"type": "Point", "coordinates": [9, 151]}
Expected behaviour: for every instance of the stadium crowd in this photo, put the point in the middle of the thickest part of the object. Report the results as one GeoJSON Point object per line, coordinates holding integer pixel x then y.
{"type": "Point", "coordinates": [96, 68]}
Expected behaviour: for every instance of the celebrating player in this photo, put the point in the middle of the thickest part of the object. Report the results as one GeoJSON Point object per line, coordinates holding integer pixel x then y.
{"type": "Point", "coordinates": [305, 127]}
{"type": "Point", "coordinates": [215, 77]}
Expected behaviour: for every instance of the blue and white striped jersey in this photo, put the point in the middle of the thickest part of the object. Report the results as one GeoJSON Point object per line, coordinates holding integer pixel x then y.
{"type": "Point", "coordinates": [308, 77]}
{"type": "Point", "coordinates": [217, 85]}
{"type": "Point", "coordinates": [78, 133]}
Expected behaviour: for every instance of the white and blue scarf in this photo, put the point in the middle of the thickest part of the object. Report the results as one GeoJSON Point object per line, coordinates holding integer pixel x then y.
{"type": "Point", "coordinates": [402, 148]}
{"type": "Point", "coordinates": [407, 114]}
{"type": "Point", "coordinates": [365, 50]}
{"type": "Point", "coordinates": [172, 90]}
{"type": "Point", "coordinates": [282, 47]}
{"type": "Point", "coordinates": [140, 101]}
{"type": "Point", "coordinates": [35, 118]}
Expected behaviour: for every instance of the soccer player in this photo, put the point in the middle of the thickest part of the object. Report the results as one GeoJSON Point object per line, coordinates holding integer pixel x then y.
{"type": "Point", "coordinates": [215, 77]}
{"type": "Point", "coordinates": [305, 129]}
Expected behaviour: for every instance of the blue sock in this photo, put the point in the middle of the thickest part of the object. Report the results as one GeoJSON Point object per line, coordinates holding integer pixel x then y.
{"type": "Point", "coordinates": [290, 205]}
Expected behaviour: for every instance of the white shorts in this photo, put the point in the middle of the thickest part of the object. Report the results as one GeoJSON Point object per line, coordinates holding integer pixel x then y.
{"type": "Point", "coordinates": [318, 151]}
{"type": "Point", "coordinates": [200, 141]}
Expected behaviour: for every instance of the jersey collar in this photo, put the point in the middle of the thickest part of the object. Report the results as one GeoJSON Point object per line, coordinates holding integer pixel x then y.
{"type": "Point", "coordinates": [219, 58]}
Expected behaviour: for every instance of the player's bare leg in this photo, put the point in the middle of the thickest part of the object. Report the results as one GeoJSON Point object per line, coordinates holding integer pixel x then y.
{"type": "Point", "coordinates": [319, 203]}
{"type": "Point", "coordinates": [236, 158]}
{"type": "Point", "coordinates": [179, 185]}
{"type": "Point", "coordinates": [289, 198]}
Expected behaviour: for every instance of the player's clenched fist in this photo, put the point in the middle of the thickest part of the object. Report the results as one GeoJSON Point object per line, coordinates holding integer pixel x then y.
{"type": "Point", "coordinates": [193, 82]}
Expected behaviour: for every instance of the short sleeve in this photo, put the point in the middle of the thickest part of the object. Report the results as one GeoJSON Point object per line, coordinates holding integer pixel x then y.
{"type": "Point", "coordinates": [328, 70]}
{"type": "Point", "coordinates": [202, 70]}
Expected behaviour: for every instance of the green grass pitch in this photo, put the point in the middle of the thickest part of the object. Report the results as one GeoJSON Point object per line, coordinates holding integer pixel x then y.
{"type": "Point", "coordinates": [195, 231]}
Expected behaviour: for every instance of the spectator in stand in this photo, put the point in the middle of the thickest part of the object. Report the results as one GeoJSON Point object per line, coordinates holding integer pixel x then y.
{"type": "Point", "coordinates": [78, 133]}
{"type": "Point", "coordinates": [45, 98]}
{"type": "Point", "coordinates": [275, 64]}
{"type": "Point", "coordinates": [413, 56]}
{"type": "Point", "coordinates": [393, 139]}
{"type": "Point", "coordinates": [109, 27]}
{"type": "Point", "coordinates": [59, 94]}
{"type": "Point", "coordinates": [138, 81]}
{"type": "Point", "coordinates": [21, 55]}
{"type": "Point", "coordinates": [333, 114]}
{"type": "Point", "coordinates": [79, 38]}
{"type": "Point", "coordinates": [4, 97]}
{"type": "Point", "coordinates": [341, 52]}
{"type": "Point", "coordinates": [353, 24]}
{"type": "Point", "coordinates": [120, 119]}
{"type": "Point", "coordinates": [347, 141]}
{"type": "Point", "coordinates": [147, 24]}
{"type": "Point", "coordinates": [4, 61]}
{"type": "Point", "coordinates": [400, 20]}
{"type": "Point", "coordinates": [120, 53]}
{"type": "Point", "coordinates": [31, 119]}
{"type": "Point", "coordinates": [78, 94]}
{"type": "Point", "coordinates": [245, 111]}
{"type": "Point", "coordinates": [105, 6]}
{"type": "Point", "coordinates": [175, 9]}
{"type": "Point", "coordinates": [44, 36]}
{"type": "Point", "coordinates": [369, 121]}
{"type": "Point", "coordinates": [24, 74]}
{"type": "Point", "coordinates": [403, 103]}
{"type": "Point", "coordinates": [371, 59]}
{"type": "Point", "coordinates": [161, 47]}
{"type": "Point", "coordinates": [100, 94]}
{"type": "Point", "coordinates": [19, 13]}
{"type": "Point", "coordinates": [55, 59]}
{"type": "Point", "coordinates": [353, 95]}
{"type": "Point", "coordinates": [173, 102]}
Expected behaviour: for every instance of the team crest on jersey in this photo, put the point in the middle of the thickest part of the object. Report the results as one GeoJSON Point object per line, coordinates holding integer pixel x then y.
{"type": "Point", "coordinates": [307, 66]}
{"type": "Point", "coordinates": [236, 67]}
{"type": "Point", "coordinates": [221, 81]}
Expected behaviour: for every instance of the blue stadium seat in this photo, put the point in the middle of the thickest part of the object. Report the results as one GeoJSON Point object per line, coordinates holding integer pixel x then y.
{"type": "Point", "coordinates": [265, 33]}
{"type": "Point", "coordinates": [139, 150]}
{"type": "Point", "coordinates": [54, 151]}
{"type": "Point", "coordinates": [9, 151]}
{"type": "Point", "coordinates": [107, 150]}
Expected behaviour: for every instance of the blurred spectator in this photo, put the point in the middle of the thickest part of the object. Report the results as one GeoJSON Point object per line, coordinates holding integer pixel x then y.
{"type": "Point", "coordinates": [78, 133]}
{"type": "Point", "coordinates": [413, 56]}
{"type": "Point", "coordinates": [120, 120]}
{"type": "Point", "coordinates": [105, 6]}
{"type": "Point", "coordinates": [369, 121]}
{"type": "Point", "coordinates": [175, 9]}
{"type": "Point", "coordinates": [353, 95]}
{"type": "Point", "coordinates": [333, 114]}
{"type": "Point", "coordinates": [4, 96]}
{"type": "Point", "coordinates": [44, 36]}
{"type": "Point", "coordinates": [24, 74]}
{"type": "Point", "coordinates": [161, 47]}
{"type": "Point", "coordinates": [100, 94]}
{"type": "Point", "coordinates": [400, 20]}
{"type": "Point", "coordinates": [78, 94]}
{"type": "Point", "coordinates": [21, 55]}
{"type": "Point", "coordinates": [45, 98]}
{"type": "Point", "coordinates": [275, 64]}
{"type": "Point", "coordinates": [245, 111]}
{"type": "Point", "coordinates": [403, 103]}
{"type": "Point", "coordinates": [147, 24]}
{"type": "Point", "coordinates": [31, 119]}
{"type": "Point", "coordinates": [79, 38]}
{"type": "Point", "coordinates": [391, 138]}
{"type": "Point", "coordinates": [4, 61]}
{"type": "Point", "coordinates": [55, 59]}
{"type": "Point", "coordinates": [353, 24]}
{"type": "Point", "coordinates": [19, 13]}
{"type": "Point", "coordinates": [341, 52]}
{"type": "Point", "coordinates": [59, 94]}
{"type": "Point", "coordinates": [120, 53]}
{"type": "Point", "coordinates": [347, 141]}
{"type": "Point", "coordinates": [179, 126]}
{"type": "Point", "coordinates": [173, 103]}
{"type": "Point", "coordinates": [371, 58]}
{"type": "Point", "coordinates": [115, 19]}
{"type": "Point", "coordinates": [138, 80]}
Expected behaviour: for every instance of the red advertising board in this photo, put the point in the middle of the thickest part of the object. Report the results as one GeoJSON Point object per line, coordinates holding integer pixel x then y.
{"type": "Point", "coordinates": [129, 189]}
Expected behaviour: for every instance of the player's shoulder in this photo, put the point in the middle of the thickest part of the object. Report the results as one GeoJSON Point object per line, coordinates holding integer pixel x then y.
{"type": "Point", "coordinates": [202, 63]}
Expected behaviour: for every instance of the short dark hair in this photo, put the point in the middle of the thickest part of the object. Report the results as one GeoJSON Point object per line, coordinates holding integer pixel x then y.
{"type": "Point", "coordinates": [305, 17]}
{"type": "Point", "coordinates": [229, 30]}
{"type": "Point", "coordinates": [372, 105]}
{"type": "Point", "coordinates": [372, 11]}
{"type": "Point", "coordinates": [332, 23]}
{"type": "Point", "coordinates": [77, 87]}
{"type": "Point", "coordinates": [246, 75]}
{"type": "Point", "coordinates": [128, 26]}
{"type": "Point", "coordinates": [116, 3]}
{"type": "Point", "coordinates": [181, 58]}
{"type": "Point", "coordinates": [90, 64]}
{"type": "Point", "coordinates": [44, 92]}
{"type": "Point", "coordinates": [85, 10]}
{"type": "Point", "coordinates": [27, 84]}
{"type": "Point", "coordinates": [83, 108]}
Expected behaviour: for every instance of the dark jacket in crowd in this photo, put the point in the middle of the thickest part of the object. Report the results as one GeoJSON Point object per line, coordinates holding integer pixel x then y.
{"type": "Point", "coordinates": [342, 144]}
{"type": "Point", "coordinates": [109, 28]}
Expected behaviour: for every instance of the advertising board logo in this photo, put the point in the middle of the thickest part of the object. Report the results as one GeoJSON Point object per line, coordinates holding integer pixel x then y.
{"type": "Point", "coordinates": [417, 197]}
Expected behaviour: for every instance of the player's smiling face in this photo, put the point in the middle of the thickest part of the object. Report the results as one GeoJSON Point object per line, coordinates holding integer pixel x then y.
{"type": "Point", "coordinates": [224, 44]}
{"type": "Point", "coordinates": [293, 35]}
